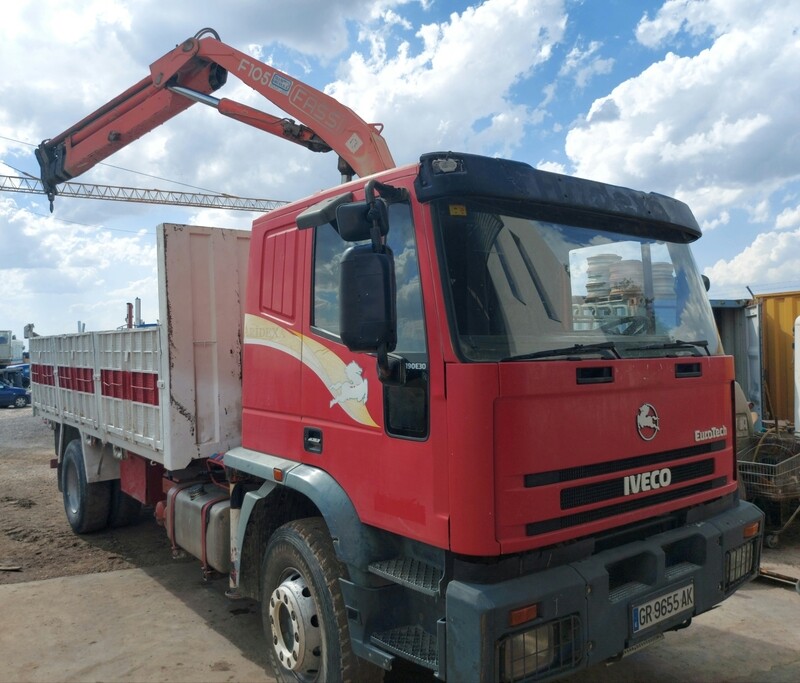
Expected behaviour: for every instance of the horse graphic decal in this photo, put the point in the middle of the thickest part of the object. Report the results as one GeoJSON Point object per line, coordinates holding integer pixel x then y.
{"type": "Point", "coordinates": [647, 422]}
{"type": "Point", "coordinates": [354, 389]}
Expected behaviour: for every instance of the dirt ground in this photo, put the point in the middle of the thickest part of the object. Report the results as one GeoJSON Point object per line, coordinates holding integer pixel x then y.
{"type": "Point", "coordinates": [36, 541]}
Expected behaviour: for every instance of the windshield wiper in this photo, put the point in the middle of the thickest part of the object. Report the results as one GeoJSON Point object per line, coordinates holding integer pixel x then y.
{"type": "Point", "coordinates": [568, 351]}
{"type": "Point", "coordinates": [677, 344]}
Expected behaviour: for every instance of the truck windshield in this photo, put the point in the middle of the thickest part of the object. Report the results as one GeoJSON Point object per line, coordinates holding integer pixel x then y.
{"type": "Point", "coordinates": [527, 289]}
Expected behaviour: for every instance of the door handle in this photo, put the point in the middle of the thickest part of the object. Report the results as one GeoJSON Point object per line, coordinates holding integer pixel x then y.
{"type": "Point", "coordinates": [312, 439]}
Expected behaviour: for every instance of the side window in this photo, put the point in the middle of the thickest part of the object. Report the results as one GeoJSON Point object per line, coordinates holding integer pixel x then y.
{"type": "Point", "coordinates": [328, 251]}
{"type": "Point", "coordinates": [410, 320]}
{"type": "Point", "coordinates": [405, 407]}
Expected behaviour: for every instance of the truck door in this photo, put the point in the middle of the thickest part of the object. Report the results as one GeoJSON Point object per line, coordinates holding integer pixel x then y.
{"type": "Point", "coordinates": [272, 336]}
{"type": "Point", "coordinates": [374, 439]}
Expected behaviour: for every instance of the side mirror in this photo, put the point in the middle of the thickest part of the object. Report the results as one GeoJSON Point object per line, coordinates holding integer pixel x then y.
{"type": "Point", "coordinates": [393, 371]}
{"type": "Point", "coordinates": [322, 212]}
{"type": "Point", "coordinates": [355, 221]}
{"type": "Point", "coordinates": [367, 314]}
{"type": "Point", "coordinates": [367, 286]}
{"type": "Point", "coordinates": [706, 282]}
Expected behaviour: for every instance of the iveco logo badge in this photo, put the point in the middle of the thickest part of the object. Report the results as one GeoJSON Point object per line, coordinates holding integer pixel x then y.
{"type": "Point", "coordinates": [647, 422]}
{"type": "Point", "coordinates": [647, 481]}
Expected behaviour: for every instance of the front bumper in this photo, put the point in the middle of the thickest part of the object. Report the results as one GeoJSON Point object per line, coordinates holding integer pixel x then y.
{"type": "Point", "coordinates": [584, 610]}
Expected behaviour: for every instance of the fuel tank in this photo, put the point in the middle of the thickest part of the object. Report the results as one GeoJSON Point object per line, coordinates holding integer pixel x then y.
{"type": "Point", "coordinates": [198, 521]}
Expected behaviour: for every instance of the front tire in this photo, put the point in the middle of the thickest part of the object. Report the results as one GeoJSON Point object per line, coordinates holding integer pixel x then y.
{"type": "Point", "coordinates": [303, 610]}
{"type": "Point", "coordinates": [87, 505]}
{"type": "Point", "coordinates": [20, 402]}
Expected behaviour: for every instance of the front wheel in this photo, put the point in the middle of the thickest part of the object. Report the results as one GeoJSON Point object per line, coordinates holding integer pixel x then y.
{"type": "Point", "coordinates": [20, 402]}
{"type": "Point", "coordinates": [303, 610]}
{"type": "Point", "coordinates": [86, 504]}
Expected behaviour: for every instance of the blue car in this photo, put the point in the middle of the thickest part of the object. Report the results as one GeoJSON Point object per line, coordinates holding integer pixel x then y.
{"type": "Point", "coordinates": [17, 375]}
{"type": "Point", "coordinates": [14, 396]}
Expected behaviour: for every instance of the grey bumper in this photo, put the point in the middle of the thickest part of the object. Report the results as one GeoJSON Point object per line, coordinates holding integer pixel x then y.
{"type": "Point", "coordinates": [588, 605]}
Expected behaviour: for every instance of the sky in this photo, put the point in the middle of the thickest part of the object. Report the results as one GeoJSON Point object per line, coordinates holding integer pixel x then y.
{"type": "Point", "coordinates": [697, 99]}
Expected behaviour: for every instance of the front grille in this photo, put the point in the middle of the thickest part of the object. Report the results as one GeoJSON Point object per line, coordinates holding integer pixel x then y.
{"type": "Point", "coordinates": [641, 482]}
{"type": "Point", "coordinates": [615, 488]}
{"type": "Point", "coordinates": [547, 525]}
{"type": "Point", "coordinates": [612, 466]}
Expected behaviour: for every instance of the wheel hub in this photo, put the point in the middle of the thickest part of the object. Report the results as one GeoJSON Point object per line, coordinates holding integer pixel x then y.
{"type": "Point", "coordinates": [71, 488]}
{"type": "Point", "coordinates": [294, 624]}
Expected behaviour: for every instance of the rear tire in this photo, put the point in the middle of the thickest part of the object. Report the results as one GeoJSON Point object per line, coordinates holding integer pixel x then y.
{"type": "Point", "coordinates": [303, 610]}
{"type": "Point", "coordinates": [124, 509]}
{"type": "Point", "coordinates": [87, 505]}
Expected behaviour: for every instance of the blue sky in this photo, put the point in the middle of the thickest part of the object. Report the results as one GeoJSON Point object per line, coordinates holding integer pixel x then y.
{"type": "Point", "coordinates": [697, 99]}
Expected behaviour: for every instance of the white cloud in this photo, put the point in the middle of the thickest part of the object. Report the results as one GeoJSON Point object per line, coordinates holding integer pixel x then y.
{"type": "Point", "coordinates": [722, 122]}
{"type": "Point", "coordinates": [696, 17]}
{"type": "Point", "coordinates": [552, 167]}
{"type": "Point", "coordinates": [582, 65]}
{"type": "Point", "coordinates": [759, 213]}
{"type": "Point", "coordinates": [713, 223]}
{"type": "Point", "coordinates": [773, 257]}
{"type": "Point", "coordinates": [788, 218]}
{"type": "Point", "coordinates": [460, 76]}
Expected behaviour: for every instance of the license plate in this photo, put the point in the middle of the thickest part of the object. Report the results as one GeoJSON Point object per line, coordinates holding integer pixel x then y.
{"type": "Point", "coordinates": [663, 607]}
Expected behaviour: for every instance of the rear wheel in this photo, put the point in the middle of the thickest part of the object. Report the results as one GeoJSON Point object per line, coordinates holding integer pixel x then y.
{"type": "Point", "coordinates": [87, 505]}
{"type": "Point", "coordinates": [303, 609]}
{"type": "Point", "coordinates": [124, 509]}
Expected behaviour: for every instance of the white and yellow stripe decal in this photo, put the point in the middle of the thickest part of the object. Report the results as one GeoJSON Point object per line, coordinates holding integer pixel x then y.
{"type": "Point", "coordinates": [323, 362]}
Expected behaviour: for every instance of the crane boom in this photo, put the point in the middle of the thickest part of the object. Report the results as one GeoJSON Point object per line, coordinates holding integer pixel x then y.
{"type": "Point", "coordinates": [142, 196]}
{"type": "Point", "coordinates": [190, 73]}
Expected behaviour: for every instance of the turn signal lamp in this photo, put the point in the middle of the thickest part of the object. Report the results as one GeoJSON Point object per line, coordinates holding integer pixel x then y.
{"type": "Point", "coordinates": [522, 615]}
{"type": "Point", "coordinates": [752, 529]}
{"type": "Point", "coordinates": [277, 474]}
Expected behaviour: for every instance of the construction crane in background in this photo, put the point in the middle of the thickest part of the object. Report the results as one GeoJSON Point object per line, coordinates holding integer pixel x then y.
{"type": "Point", "coordinates": [32, 185]}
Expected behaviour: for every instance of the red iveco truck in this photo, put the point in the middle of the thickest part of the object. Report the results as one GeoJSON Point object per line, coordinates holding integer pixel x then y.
{"type": "Point", "coordinates": [461, 412]}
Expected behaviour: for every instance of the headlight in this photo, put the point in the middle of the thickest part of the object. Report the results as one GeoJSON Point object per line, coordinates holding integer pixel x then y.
{"type": "Point", "coordinates": [740, 564]}
{"type": "Point", "coordinates": [544, 650]}
{"type": "Point", "coordinates": [528, 652]}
